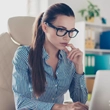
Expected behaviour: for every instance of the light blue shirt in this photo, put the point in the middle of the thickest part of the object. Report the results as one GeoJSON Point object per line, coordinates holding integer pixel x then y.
{"type": "Point", "coordinates": [67, 79]}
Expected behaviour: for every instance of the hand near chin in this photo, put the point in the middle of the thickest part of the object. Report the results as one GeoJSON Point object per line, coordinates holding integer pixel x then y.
{"type": "Point", "coordinates": [76, 56]}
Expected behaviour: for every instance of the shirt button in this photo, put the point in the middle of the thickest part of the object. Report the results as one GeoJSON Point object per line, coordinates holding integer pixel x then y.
{"type": "Point", "coordinates": [52, 98]}
{"type": "Point", "coordinates": [56, 85]}
{"type": "Point", "coordinates": [81, 85]}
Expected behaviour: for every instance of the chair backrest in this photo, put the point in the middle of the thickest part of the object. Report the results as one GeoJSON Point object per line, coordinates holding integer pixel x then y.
{"type": "Point", "coordinates": [7, 49]}
{"type": "Point", "coordinates": [20, 28]}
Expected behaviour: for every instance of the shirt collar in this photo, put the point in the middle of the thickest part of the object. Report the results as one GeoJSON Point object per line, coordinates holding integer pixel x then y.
{"type": "Point", "coordinates": [60, 54]}
{"type": "Point", "coordinates": [46, 56]}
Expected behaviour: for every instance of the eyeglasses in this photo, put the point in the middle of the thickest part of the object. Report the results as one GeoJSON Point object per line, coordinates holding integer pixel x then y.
{"type": "Point", "coordinates": [62, 32]}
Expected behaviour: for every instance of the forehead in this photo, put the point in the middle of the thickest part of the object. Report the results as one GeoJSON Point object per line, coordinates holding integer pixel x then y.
{"type": "Point", "coordinates": [65, 21]}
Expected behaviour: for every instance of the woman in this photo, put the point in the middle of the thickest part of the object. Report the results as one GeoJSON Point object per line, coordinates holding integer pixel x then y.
{"type": "Point", "coordinates": [44, 71]}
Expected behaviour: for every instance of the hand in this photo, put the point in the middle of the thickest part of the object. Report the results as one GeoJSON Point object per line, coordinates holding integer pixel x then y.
{"type": "Point", "coordinates": [70, 106]}
{"type": "Point", "coordinates": [76, 106]}
{"type": "Point", "coordinates": [76, 56]}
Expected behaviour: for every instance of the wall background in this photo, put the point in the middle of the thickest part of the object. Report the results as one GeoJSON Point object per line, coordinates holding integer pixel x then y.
{"type": "Point", "coordinates": [21, 7]}
{"type": "Point", "coordinates": [76, 5]}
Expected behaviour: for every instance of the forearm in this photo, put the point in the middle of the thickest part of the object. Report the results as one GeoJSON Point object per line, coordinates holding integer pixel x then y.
{"type": "Point", "coordinates": [78, 90]}
{"type": "Point", "coordinates": [22, 103]}
{"type": "Point", "coordinates": [79, 95]}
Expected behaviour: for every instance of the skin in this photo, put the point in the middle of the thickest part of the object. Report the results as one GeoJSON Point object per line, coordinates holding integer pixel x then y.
{"type": "Point", "coordinates": [53, 44]}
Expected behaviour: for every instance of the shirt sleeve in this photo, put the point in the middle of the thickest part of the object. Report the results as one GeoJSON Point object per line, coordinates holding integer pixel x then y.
{"type": "Point", "coordinates": [20, 84]}
{"type": "Point", "coordinates": [77, 89]}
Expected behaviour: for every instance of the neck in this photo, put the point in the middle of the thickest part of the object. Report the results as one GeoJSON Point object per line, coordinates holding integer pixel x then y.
{"type": "Point", "coordinates": [50, 49]}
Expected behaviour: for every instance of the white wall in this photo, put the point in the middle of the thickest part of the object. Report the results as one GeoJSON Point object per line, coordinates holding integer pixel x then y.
{"type": "Point", "coordinates": [37, 6]}
{"type": "Point", "coordinates": [76, 5]}
{"type": "Point", "coordinates": [9, 8]}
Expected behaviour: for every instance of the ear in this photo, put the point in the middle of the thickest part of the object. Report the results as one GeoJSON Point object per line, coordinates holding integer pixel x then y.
{"type": "Point", "coordinates": [44, 27]}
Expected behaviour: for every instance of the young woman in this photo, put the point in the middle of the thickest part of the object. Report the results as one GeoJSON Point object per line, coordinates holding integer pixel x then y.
{"type": "Point", "coordinates": [44, 71]}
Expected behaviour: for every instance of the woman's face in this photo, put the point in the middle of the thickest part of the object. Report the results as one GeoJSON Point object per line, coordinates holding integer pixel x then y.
{"type": "Point", "coordinates": [63, 22]}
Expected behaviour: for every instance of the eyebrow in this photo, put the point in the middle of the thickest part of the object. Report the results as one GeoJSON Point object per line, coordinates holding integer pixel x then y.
{"type": "Point", "coordinates": [64, 27]}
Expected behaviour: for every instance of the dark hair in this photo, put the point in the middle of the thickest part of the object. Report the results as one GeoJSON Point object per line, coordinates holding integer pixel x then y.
{"type": "Point", "coordinates": [35, 54]}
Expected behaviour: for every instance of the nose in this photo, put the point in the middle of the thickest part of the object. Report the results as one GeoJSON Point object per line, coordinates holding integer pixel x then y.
{"type": "Point", "coordinates": [66, 36]}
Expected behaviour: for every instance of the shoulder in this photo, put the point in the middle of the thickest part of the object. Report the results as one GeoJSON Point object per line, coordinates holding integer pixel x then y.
{"type": "Point", "coordinates": [22, 51]}
{"type": "Point", "coordinates": [21, 54]}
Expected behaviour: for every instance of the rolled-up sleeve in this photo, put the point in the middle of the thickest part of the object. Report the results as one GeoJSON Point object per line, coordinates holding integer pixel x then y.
{"type": "Point", "coordinates": [78, 90]}
{"type": "Point", "coordinates": [24, 99]}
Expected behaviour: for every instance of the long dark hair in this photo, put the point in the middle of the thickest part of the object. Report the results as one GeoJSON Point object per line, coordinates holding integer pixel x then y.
{"type": "Point", "coordinates": [35, 54]}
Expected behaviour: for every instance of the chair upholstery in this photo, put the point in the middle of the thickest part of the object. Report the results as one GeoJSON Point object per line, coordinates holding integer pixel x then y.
{"type": "Point", "coordinates": [7, 49]}
{"type": "Point", "coordinates": [21, 32]}
{"type": "Point", "coordinates": [19, 28]}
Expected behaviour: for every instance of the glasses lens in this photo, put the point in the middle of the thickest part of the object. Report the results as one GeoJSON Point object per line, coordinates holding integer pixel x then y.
{"type": "Point", "coordinates": [73, 33]}
{"type": "Point", "coordinates": [61, 32]}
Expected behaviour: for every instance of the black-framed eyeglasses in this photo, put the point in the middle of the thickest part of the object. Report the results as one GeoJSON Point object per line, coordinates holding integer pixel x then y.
{"type": "Point", "coordinates": [62, 32]}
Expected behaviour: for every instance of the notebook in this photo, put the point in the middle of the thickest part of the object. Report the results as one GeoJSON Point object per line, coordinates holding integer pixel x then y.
{"type": "Point", "coordinates": [100, 99]}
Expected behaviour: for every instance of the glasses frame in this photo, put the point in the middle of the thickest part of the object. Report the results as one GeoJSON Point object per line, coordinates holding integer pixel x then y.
{"type": "Point", "coordinates": [66, 31]}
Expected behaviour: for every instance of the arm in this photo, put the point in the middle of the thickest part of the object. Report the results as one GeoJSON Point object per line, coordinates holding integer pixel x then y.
{"type": "Point", "coordinates": [20, 84]}
{"type": "Point", "coordinates": [78, 91]}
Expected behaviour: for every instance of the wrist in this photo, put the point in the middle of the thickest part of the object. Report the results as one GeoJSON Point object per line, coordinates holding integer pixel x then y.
{"type": "Point", "coordinates": [79, 68]}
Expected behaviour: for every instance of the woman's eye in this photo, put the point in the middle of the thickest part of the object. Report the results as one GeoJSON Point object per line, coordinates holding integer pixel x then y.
{"type": "Point", "coordinates": [61, 30]}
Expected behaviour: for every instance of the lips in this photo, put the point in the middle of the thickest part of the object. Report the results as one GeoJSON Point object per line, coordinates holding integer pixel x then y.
{"type": "Point", "coordinates": [64, 44]}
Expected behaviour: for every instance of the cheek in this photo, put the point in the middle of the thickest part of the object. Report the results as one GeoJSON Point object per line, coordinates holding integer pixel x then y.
{"type": "Point", "coordinates": [52, 37]}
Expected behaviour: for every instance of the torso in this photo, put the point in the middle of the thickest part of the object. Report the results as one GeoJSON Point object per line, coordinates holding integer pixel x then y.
{"type": "Point", "coordinates": [53, 63]}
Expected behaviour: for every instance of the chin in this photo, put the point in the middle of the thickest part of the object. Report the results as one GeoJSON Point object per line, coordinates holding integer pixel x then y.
{"type": "Point", "coordinates": [61, 48]}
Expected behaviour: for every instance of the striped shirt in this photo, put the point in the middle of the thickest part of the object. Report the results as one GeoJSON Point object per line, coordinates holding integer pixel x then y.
{"type": "Point", "coordinates": [67, 79]}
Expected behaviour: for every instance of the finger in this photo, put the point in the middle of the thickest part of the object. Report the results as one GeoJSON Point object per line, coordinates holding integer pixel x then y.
{"type": "Point", "coordinates": [75, 54]}
{"type": "Point", "coordinates": [70, 45]}
{"type": "Point", "coordinates": [78, 55]}
{"type": "Point", "coordinates": [85, 106]}
{"type": "Point", "coordinates": [78, 107]}
{"type": "Point", "coordinates": [72, 56]}
{"type": "Point", "coordinates": [72, 52]}
{"type": "Point", "coordinates": [66, 50]}
{"type": "Point", "coordinates": [78, 51]}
